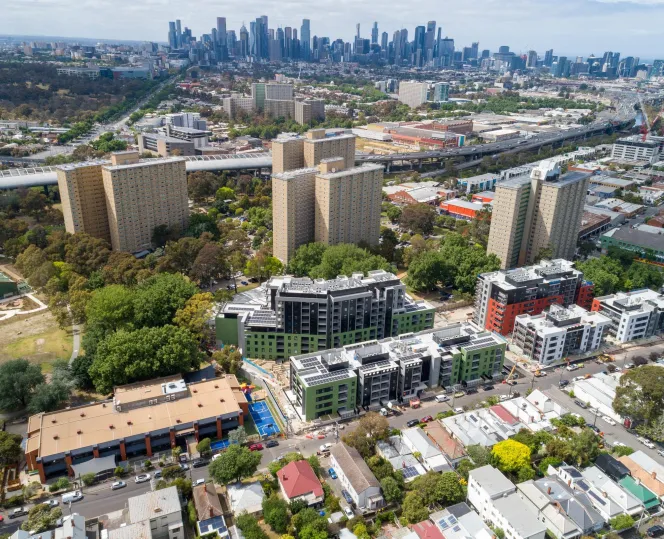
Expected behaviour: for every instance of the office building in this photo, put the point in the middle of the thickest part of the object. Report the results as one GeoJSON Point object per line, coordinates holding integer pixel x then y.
{"type": "Point", "coordinates": [287, 153]}
{"type": "Point", "coordinates": [634, 148]}
{"type": "Point", "coordinates": [141, 195]}
{"type": "Point", "coordinates": [198, 137]}
{"type": "Point", "coordinates": [309, 111]}
{"type": "Point", "coordinates": [500, 296]}
{"type": "Point", "coordinates": [634, 315]}
{"type": "Point", "coordinates": [83, 199]}
{"type": "Point", "coordinates": [372, 373]}
{"type": "Point", "coordinates": [141, 419]}
{"type": "Point", "coordinates": [537, 213]}
{"type": "Point", "coordinates": [496, 500]}
{"type": "Point", "coordinates": [319, 146]}
{"type": "Point", "coordinates": [413, 93]}
{"type": "Point", "coordinates": [165, 146]}
{"type": "Point", "coordinates": [290, 316]}
{"type": "Point", "coordinates": [348, 203]}
{"type": "Point", "coordinates": [558, 333]}
{"type": "Point", "coordinates": [293, 200]}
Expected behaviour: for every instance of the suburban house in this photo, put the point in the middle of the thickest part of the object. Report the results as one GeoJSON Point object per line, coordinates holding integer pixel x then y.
{"type": "Point", "coordinates": [460, 522]}
{"type": "Point", "coordinates": [72, 528]}
{"type": "Point", "coordinates": [400, 456]}
{"type": "Point", "coordinates": [298, 481]}
{"type": "Point", "coordinates": [616, 494]}
{"type": "Point", "coordinates": [356, 477]}
{"type": "Point", "coordinates": [427, 530]}
{"type": "Point", "coordinates": [645, 470]}
{"type": "Point", "coordinates": [495, 498]}
{"type": "Point", "coordinates": [575, 505]}
{"type": "Point", "coordinates": [431, 457]}
{"type": "Point", "coordinates": [556, 521]}
{"type": "Point", "coordinates": [154, 515]}
{"type": "Point", "coordinates": [454, 452]}
{"type": "Point", "coordinates": [611, 466]}
{"type": "Point", "coordinates": [647, 497]}
{"type": "Point", "coordinates": [245, 497]}
{"type": "Point", "coordinates": [208, 511]}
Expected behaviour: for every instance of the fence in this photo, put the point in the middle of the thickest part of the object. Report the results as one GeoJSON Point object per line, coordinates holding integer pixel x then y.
{"type": "Point", "coordinates": [273, 403]}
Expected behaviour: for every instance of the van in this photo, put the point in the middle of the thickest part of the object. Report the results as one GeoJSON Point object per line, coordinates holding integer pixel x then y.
{"type": "Point", "coordinates": [442, 398]}
{"type": "Point", "coordinates": [73, 496]}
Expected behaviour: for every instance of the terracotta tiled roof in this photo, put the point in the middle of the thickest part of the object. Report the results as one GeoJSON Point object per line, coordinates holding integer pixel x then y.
{"type": "Point", "coordinates": [299, 479]}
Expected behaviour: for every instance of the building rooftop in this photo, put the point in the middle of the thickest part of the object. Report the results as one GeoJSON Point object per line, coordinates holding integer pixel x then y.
{"type": "Point", "coordinates": [546, 270]}
{"type": "Point", "coordinates": [354, 468]}
{"type": "Point", "coordinates": [147, 162]}
{"type": "Point", "coordinates": [459, 202]}
{"type": "Point", "coordinates": [299, 479]}
{"type": "Point", "coordinates": [637, 237]}
{"type": "Point", "coordinates": [366, 167]}
{"type": "Point", "coordinates": [84, 426]}
{"type": "Point", "coordinates": [154, 504]}
{"type": "Point", "coordinates": [492, 481]}
{"type": "Point", "coordinates": [515, 511]}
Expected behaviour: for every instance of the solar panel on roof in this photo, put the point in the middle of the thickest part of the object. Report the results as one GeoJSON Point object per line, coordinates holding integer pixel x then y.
{"type": "Point", "coordinates": [597, 498]}
{"type": "Point", "coordinates": [409, 471]}
{"type": "Point", "coordinates": [583, 485]}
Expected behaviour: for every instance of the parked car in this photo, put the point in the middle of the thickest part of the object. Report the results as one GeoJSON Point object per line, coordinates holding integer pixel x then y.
{"type": "Point", "coordinates": [271, 443]}
{"type": "Point", "coordinates": [504, 397]}
{"type": "Point", "coordinates": [325, 447]}
{"type": "Point", "coordinates": [609, 420]}
{"type": "Point", "coordinates": [413, 423]}
{"type": "Point", "coordinates": [184, 467]}
{"type": "Point", "coordinates": [563, 383]}
{"type": "Point", "coordinates": [347, 497]}
{"type": "Point", "coordinates": [592, 427]}
{"type": "Point", "coordinates": [52, 502]}
{"type": "Point", "coordinates": [426, 419]}
{"type": "Point", "coordinates": [256, 447]}
{"type": "Point", "coordinates": [458, 410]}
{"type": "Point", "coordinates": [655, 531]}
{"type": "Point", "coordinates": [200, 481]}
{"type": "Point", "coordinates": [459, 394]}
{"type": "Point", "coordinates": [580, 404]}
{"type": "Point", "coordinates": [244, 283]}
{"type": "Point", "coordinates": [118, 485]}
{"type": "Point", "coordinates": [142, 478]}
{"type": "Point", "coordinates": [660, 453]}
{"type": "Point", "coordinates": [649, 444]}
{"type": "Point", "coordinates": [571, 368]}
{"type": "Point", "coordinates": [18, 512]}
{"type": "Point", "coordinates": [350, 514]}
{"type": "Point", "coordinates": [442, 398]}
{"type": "Point", "coordinates": [488, 387]}
{"type": "Point", "coordinates": [332, 473]}
{"type": "Point", "coordinates": [471, 391]}
{"type": "Point", "coordinates": [157, 474]}
{"type": "Point", "coordinates": [199, 463]}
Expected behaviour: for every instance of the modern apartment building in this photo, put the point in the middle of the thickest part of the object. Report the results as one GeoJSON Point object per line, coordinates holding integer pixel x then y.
{"type": "Point", "coordinates": [237, 103]}
{"type": "Point", "coordinates": [309, 110]}
{"type": "Point", "coordinates": [413, 93]}
{"type": "Point", "coordinates": [280, 108]}
{"type": "Point", "coordinates": [541, 212]}
{"type": "Point", "coordinates": [634, 148]}
{"type": "Point", "coordinates": [634, 315]}
{"type": "Point", "coordinates": [559, 332]}
{"type": "Point", "coordinates": [141, 195]}
{"type": "Point", "coordinates": [348, 203]}
{"type": "Point", "coordinates": [165, 146]}
{"type": "Point", "coordinates": [293, 199]}
{"type": "Point", "coordinates": [83, 199]}
{"type": "Point", "coordinates": [500, 296]}
{"type": "Point", "coordinates": [260, 91]}
{"type": "Point", "coordinates": [290, 316]}
{"type": "Point", "coordinates": [123, 200]}
{"type": "Point", "coordinates": [142, 419]}
{"type": "Point", "coordinates": [318, 146]}
{"type": "Point", "coordinates": [370, 374]}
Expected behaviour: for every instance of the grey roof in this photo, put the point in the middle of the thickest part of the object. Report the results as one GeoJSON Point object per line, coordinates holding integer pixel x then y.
{"type": "Point", "coordinates": [421, 442]}
{"type": "Point", "coordinates": [640, 238]}
{"type": "Point", "coordinates": [95, 466]}
{"type": "Point", "coordinates": [618, 495]}
{"type": "Point", "coordinates": [354, 468]}
{"type": "Point", "coordinates": [515, 511]}
{"type": "Point", "coordinates": [492, 480]}
{"type": "Point", "coordinates": [245, 497]}
{"type": "Point", "coordinates": [542, 502]}
{"type": "Point", "coordinates": [152, 504]}
{"type": "Point", "coordinates": [576, 505]}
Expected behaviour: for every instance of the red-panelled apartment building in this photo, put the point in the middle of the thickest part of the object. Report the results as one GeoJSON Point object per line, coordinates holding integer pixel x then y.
{"type": "Point", "coordinates": [502, 295]}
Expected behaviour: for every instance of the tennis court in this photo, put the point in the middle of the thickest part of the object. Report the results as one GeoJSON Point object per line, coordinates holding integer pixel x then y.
{"type": "Point", "coordinates": [265, 423]}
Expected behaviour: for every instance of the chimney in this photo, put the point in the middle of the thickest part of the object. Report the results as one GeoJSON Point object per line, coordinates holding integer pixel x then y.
{"type": "Point", "coordinates": [548, 490]}
{"type": "Point", "coordinates": [211, 512]}
{"type": "Point", "coordinates": [654, 475]}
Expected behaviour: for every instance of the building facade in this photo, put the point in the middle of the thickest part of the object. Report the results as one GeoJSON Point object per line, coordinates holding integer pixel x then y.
{"type": "Point", "coordinates": [299, 315]}
{"type": "Point", "coordinates": [309, 110]}
{"type": "Point", "coordinates": [141, 419]}
{"type": "Point", "coordinates": [318, 146]}
{"type": "Point", "coordinates": [413, 93]}
{"type": "Point", "coordinates": [634, 315]}
{"type": "Point", "coordinates": [500, 296]}
{"type": "Point", "coordinates": [558, 333]}
{"type": "Point", "coordinates": [634, 148]}
{"type": "Point", "coordinates": [371, 374]}
{"type": "Point", "coordinates": [537, 213]}
{"type": "Point", "coordinates": [356, 477]}
{"type": "Point", "coordinates": [287, 154]}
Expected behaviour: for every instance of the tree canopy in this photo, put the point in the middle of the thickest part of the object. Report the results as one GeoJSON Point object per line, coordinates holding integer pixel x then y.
{"type": "Point", "coordinates": [510, 455]}
{"type": "Point", "coordinates": [640, 395]}
{"type": "Point", "coordinates": [19, 380]}
{"type": "Point", "coordinates": [234, 464]}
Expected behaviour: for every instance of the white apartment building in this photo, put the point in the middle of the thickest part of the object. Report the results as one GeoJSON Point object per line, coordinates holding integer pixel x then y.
{"type": "Point", "coordinates": [559, 332]}
{"type": "Point", "coordinates": [495, 499]}
{"type": "Point", "coordinates": [634, 148]}
{"type": "Point", "coordinates": [356, 477]}
{"type": "Point", "coordinates": [413, 93]}
{"type": "Point", "coordinates": [634, 315]}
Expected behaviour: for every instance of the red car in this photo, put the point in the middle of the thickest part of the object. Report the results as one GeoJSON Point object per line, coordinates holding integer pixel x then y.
{"type": "Point", "coordinates": [426, 419]}
{"type": "Point", "coordinates": [256, 447]}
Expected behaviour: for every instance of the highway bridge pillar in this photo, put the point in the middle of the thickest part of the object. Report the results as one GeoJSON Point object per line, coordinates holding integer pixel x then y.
{"type": "Point", "coordinates": [387, 168]}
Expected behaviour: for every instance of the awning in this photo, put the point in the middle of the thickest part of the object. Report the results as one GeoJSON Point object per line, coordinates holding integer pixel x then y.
{"type": "Point", "coordinates": [96, 466]}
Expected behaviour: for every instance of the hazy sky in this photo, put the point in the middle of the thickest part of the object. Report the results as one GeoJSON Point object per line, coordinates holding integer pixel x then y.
{"type": "Point", "coordinates": [633, 27]}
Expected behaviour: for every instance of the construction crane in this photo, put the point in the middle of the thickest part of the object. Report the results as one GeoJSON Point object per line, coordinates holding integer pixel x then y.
{"type": "Point", "coordinates": [645, 126]}
{"type": "Point", "coordinates": [508, 379]}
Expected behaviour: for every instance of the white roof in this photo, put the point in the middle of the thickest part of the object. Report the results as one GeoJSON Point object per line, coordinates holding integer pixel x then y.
{"type": "Point", "coordinates": [245, 497]}
{"type": "Point", "coordinates": [620, 496]}
{"type": "Point", "coordinates": [152, 504]}
{"type": "Point", "coordinates": [648, 464]}
{"type": "Point", "coordinates": [492, 480]}
{"type": "Point", "coordinates": [420, 442]}
{"type": "Point", "coordinates": [517, 513]}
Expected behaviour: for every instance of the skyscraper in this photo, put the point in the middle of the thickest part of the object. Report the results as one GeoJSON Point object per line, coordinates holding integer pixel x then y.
{"type": "Point", "coordinates": [531, 214]}
{"type": "Point", "coordinates": [357, 30]}
{"type": "Point", "coordinates": [548, 58]}
{"type": "Point", "coordinates": [221, 29]}
{"type": "Point", "coordinates": [420, 35]}
{"type": "Point", "coordinates": [431, 36]}
{"type": "Point", "coordinates": [305, 39]}
{"type": "Point", "coordinates": [374, 34]}
{"type": "Point", "coordinates": [532, 59]}
{"type": "Point", "coordinates": [244, 42]}
{"type": "Point", "coordinates": [178, 33]}
{"type": "Point", "coordinates": [384, 40]}
{"type": "Point", "coordinates": [172, 35]}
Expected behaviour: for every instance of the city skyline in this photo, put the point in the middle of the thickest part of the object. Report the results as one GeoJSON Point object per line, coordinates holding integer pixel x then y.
{"type": "Point", "coordinates": [629, 26]}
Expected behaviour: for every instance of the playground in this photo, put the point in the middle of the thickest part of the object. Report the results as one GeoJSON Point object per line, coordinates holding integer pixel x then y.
{"type": "Point", "coordinates": [263, 419]}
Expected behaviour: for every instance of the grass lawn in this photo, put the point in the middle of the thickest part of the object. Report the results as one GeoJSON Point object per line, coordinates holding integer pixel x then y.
{"type": "Point", "coordinates": [250, 286]}
{"type": "Point", "coordinates": [43, 348]}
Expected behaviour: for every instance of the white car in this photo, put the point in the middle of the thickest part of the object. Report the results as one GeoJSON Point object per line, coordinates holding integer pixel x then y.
{"type": "Point", "coordinates": [458, 410]}
{"type": "Point", "coordinates": [442, 398]}
{"type": "Point", "coordinates": [118, 484]}
{"type": "Point", "coordinates": [609, 420]}
{"type": "Point", "coordinates": [142, 478]}
{"type": "Point", "coordinates": [504, 397]}
{"type": "Point", "coordinates": [200, 481]}
{"type": "Point", "coordinates": [52, 503]}
{"type": "Point", "coordinates": [348, 511]}
{"type": "Point", "coordinates": [649, 444]}
{"type": "Point", "coordinates": [325, 447]}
